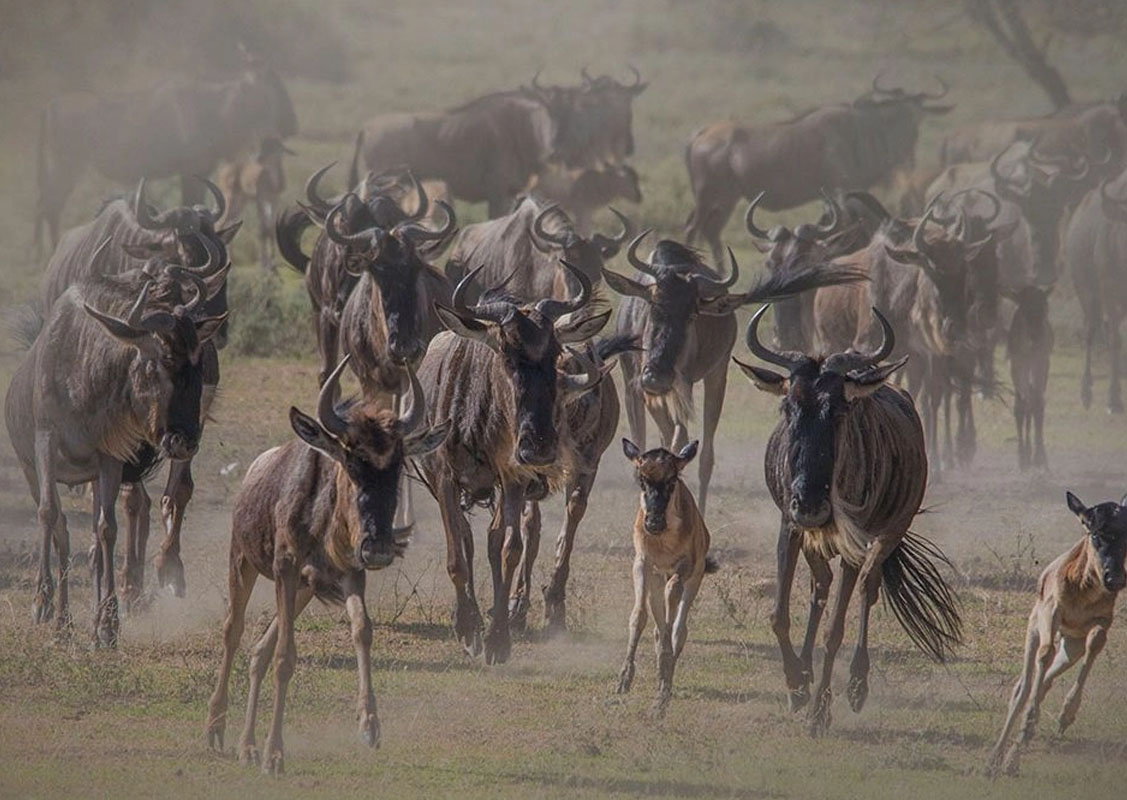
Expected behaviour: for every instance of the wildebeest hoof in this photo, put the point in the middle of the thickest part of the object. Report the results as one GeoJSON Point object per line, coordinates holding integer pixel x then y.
{"type": "Point", "coordinates": [820, 716]}
{"type": "Point", "coordinates": [498, 646]}
{"type": "Point", "coordinates": [107, 624]}
{"type": "Point", "coordinates": [215, 738]}
{"type": "Point", "coordinates": [625, 679]}
{"type": "Point", "coordinates": [798, 698]}
{"type": "Point", "coordinates": [43, 607]}
{"type": "Point", "coordinates": [518, 614]}
{"type": "Point", "coordinates": [858, 692]}
{"type": "Point", "coordinates": [249, 756]}
{"type": "Point", "coordinates": [64, 627]}
{"type": "Point", "coordinates": [1115, 406]}
{"type": "Point", "coordinates": [274, 764]}
{"type": "Point", "coordinates": [370, 729]}
{"type": "Point", "coordinates": [467, 627]}
{"type": "Point", "coordinates": [170, 573]}
{"type": "Point", "coordinates": [661, 704]}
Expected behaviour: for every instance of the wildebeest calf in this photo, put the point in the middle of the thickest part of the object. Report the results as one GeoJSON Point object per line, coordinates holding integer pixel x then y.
{"type": "Point", "coordinates": [1070, 619]}
{"type": "Point", "coordinates": [670, 560]}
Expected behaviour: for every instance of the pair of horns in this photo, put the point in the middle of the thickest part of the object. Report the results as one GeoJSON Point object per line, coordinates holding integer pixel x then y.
{"type": "Point", "coordinates": [337, 426]}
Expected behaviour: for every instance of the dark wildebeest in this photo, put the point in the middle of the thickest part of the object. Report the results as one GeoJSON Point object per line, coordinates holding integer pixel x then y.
{"type": "Point", "coordinates": [179, 127]}
{"type": "Point", "coordinates": [110, 245]}
{"type": "Point", "coordinates": [683, 313]}
{"type": "Point", "coordinates": [496, 375]}
{"type": "Point", "coordinates": [259, 179]}
{"type": "Point", "coordinates": [1095, 248]}
{"type": "Point", "coordinates": [1029, 344]}
{"type": "Point", "coordinates": [600, 128]}
{"type": "Point", "coordinates": [314, 516]}
{"type": "Point", "coordinates": [847, 467]}
{"type": "Point", "coordinates": [582, 192]}
{"type": "Point", "coordinates": [1071, 616]}
{"type": "Point", "coordinates": [95, 389]}
{"type": "Point", "coordinates": [850, 145]}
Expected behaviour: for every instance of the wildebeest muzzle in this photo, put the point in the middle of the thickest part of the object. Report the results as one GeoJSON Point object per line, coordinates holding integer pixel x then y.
{"type": "Point", "coordinates": [376, 552]}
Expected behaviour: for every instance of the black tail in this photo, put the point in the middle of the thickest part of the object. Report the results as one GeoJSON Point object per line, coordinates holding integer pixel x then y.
{"type": "Point", "coordinates": [711, 565]}
{"type": "Point", "coordinates": [25, 325]}
{"type": "Point", "coordinates": [354, 168]}
{"type": "Point", "coordinates": [919, 597]}
{"type": "Point", "coordinates": [289, 224]}
{"type": "Point", "coordinates": [41, 178]}
{"type": "Point", "coordinates": [779, 286]}
{"type": "Point", "coordinates": [608, 347]}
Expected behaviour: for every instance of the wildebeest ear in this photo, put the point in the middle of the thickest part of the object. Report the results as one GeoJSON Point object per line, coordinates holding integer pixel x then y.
{"type": "Point", "coordinates": [580, 330]}
{"type": "Point", "coordinates": [721, 306]}
{"type": "Point", "coordinates": [467, 326]}
{"type": "Point", "coordinates": [143, 250]}
{"type": "Point", "coordinates": [867, 382]}
{"type": "Point", "coordinates": [630, 450]}
{"type": "Point", "coordinates": [420, 444]}
{"type": "Point", "coordinates": [688, 453]}
{"type": "Point", "coordinates": [227, 232]}
{"type": "Point", "coordinates": [209, 326]}
{"type": "Point", "coordinates": [1074, 504]}
{"type": "Point", "coordinates": [626, 286]}
{"type": "Point", "coordinates": [764, 379]}
{"type": "Point", "coordinates": [310, 431]}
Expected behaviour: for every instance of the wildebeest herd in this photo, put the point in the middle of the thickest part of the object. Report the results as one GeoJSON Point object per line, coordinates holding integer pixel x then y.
{"type": "Point", "coordinates": [488, 380]}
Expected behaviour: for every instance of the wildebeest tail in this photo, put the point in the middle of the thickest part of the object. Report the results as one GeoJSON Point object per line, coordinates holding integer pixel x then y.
{"type": "Point", "coordinates": [354, 167]}
{"type": "Point", "coordinates": [608, 347]}
{"type": "Point", "coordinates": [711, 565]}
{"type": "Point", "coordinates": [289, 224]}
{"type": "Point", "coordinates": [25, 324]}
{"type": "Point", "coordinates": [41, 179]}
{"type": "Point", "coordinates": [779, 286]}
{"type": "Point", "coordinates": [920, 598]}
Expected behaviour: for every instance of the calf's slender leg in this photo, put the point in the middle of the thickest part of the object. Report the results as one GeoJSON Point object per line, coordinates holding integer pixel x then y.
{"type": "Point", "coordinates": [285, 658]}
{"type": "Point", "coordinates": [1020, 693]}
{"type": "Point", "coordinates": [240, 582]}
{"type": "Point", "coordinates": [641, 573]}
{"type": "Point", "coordinates": [1097, 638]}
{"type": "Point", "coordinates": [361, 625]}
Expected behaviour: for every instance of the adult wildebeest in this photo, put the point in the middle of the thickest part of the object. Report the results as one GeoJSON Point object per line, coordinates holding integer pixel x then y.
{"type": "Point", "coordinates": [260, 179]}
{"type": "Point", "coordinates": [95, 390]}
{"type": "Point", "coordinates": [1029, 344]}
{"type": "Point", "coordinates": [850, 145]}
{"type": "Point", "coordinates": [110, 245]}
{"type": "Point", "coordinates": [178, 127]}
{"type": "Point", "coordinates": [1070, 619]}
{"type": "Point", "coordinates": [600, 127]}
{"type": "Point", "coordinates": [847, 468]}
{"type": "Point", "coordinates": [314, 516]}
{"type": "Point", "coordinates": [1095, 248]}
{"type": "Point", "coordinates": [685, 316]}
{"type": "Point", "coordinates": [495, 373]}
{"type": "Point", "coordinates": [583, 191]}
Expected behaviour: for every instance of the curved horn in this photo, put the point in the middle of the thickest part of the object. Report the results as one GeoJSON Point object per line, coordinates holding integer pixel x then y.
{"type": "Point", "coordinates": [536, 81]}
{"type": "Point", "coordinates": [620, 239]}
{"type": "Point", "coordinates": [575, 384]}
{"type": "Point", "coordinates": [943, 89]}
{"type": "Point", "coordinates": [141, 211]}
{"type": "Point", "coordinates": [787, 360]}
{"type": "Point", "coordinates": [361, 239]}
{"type": "Point", "coordinates": [496, 311]}
{"type": "Point", "coordinates": [711, 285]}
{"type": "Point", "coordinates": [586, 76]}
{"type": "Point", "coordinates": [538, 226]}
{"type": "Point", "coordinates": [632, 254]}
{"type": "Point", "coordinates": [994, 201]}
{"type": "Point", "coordinates": [637, 77]}
{"type": "Point", "coordinates": [749, 219]}
{"type": "Point", "coordinates": [415, 409]}
{"type": "Point", "coordinates": [316, 202]}
{"type": "Point", "coordinates": [423, 200]}
{"type": "Point", "coordinates": [326, 410]}
{"type": "Point", "coordinates": [554, 309]}
{"type": "Point", "coordinates": [418, 233]}
{"type": "Point", "coordinates": [1113, 208]}
{"type": "Point", "coordinates": [220, 201]}
{"type": "Point", "coordinates": [216, 256]}
{"type": "Point", "coordinates": [137, 311]}
{"type": "Point", "coordinates": [835, 218]}
{"type": "Point", "coordinates": [919, 240]}
{"type": "Point", "coordinates": [181, 274]}
{"type": "Point", "coordinates": [842, 363]}
{"type": "Point", "coordinates": [1007, 187]}
{"type": "Point", "coordinates": [878, 89]}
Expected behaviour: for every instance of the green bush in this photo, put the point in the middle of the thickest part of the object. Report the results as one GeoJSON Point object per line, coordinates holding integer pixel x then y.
{"type": "Point", "coordinates": [269, 316]}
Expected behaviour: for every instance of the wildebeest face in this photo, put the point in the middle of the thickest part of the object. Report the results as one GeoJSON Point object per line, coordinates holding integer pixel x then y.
{"type": "Point", "coordinates": [397, 272]}
{"type": "Point", "coordinates": [673, 308]}
{"type": "Point", "coordinates": [657, 472]}
{"type": "Point", "coordinates": [1106, 524]}
{"type": "Point", "coordinates": [529, 352]}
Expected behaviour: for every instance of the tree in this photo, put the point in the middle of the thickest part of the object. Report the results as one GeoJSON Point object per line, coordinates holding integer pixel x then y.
{"type": "Point", "coordinates": [1005, 22]}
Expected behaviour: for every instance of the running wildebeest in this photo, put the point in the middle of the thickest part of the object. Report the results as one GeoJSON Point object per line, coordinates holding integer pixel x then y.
{"type": "Point", "coordinates": [94, 390]}
{"type": "Point", "coordinates": [1029, 344]}
{"type": "Point", "coordinates": [110, 245]}
{"type": "Point", "coordinates": [178, 127]}
{"type": "Point", "coordinates": [847, 468]}
{"type": "Point", "coordinates": [685, 317]}
{"type": "Point", "coordinates": [671, 559]}
{"type": "Point", "coordinates": [260, 179]}
{"type": "Point", "coordinates": [314, 516]}
{"type": "Point", "coordinates": [849, 145]}
{"type": "Point", "coordinates": [496, 374]}
{"type": "Point", "coordinates": [1070, 619]}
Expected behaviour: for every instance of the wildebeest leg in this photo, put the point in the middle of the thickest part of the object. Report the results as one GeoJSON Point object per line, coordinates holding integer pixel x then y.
{"type": "Point", "coordinates": [1020, 415]}
{"type": "Point", "coordinates": [1038, 418]}
{"type": "Point", "coordinates": [1097, 638]}
{"type": "Point", "coordinates": [177, 493]}
{"type": "Point", "coordinates": [467, 618]}
{"type": "Point", "coordinates": [505, 547]}
{"type": "Point", "coordinates": [1091, 329]}
{"type": "Point", "coordinates": [633, 400]}
{"type": "Point", "coordinates": [106, 615]}
{"type": "Point", "coordinates": [137, 506]}
{"type": "Point", "coordinates": [820, 715]}
{"type": "Point", "coordinates": [967, 436]}
{"type": "Point", "coordinates": [555, 593]}
{"type": "Point", "coordinates": [405, 508]}
{"type": "Point", "coordinates": [659, 410]}
{"type": "Point", "coordinates": [520, 596]}
{"type": "Point", "coordinates": [361, 625]}
{"type": "Point", "coordinates": [285, 657]}
{"type": "Point", "coordinates": [1020, 693]}
{"type": "Point", "coordinates": [713, 218]}
{"type": "Point", "coordinates": [265, 232]}
{"type": "Point", "coordinates": [869, 578]}
{"type": "Point", "coordinates": [241, 576]}
{"type": "Point", "coordinates": [946, 390]}
{"type": "Point", "coordinates": [260, 657]}
{"type": "Point", "coordinates": [681, 618]}
{"type": "Point", "coordinates": [715, 385]}
{"type": "Point", "coordinates": [1048, 625]}
{"type": "Point", "coordinates": [53, 525]}
{"type": "Point", "coordinates": [1114, 341]}
{"type": "Point", "coordinates": [821, 578]}
{"type": "Point", "coordinates": [666, 648]}
{"type": "Point", "coordinates": [797, 681]}
{"type": "Point", "coordinates": [641, 573]}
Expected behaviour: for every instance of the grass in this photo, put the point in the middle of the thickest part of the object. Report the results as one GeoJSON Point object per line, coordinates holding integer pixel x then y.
{"type": "Point", "coordinates": [77, 722]}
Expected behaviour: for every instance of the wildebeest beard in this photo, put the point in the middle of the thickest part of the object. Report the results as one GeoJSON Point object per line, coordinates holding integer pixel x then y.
{"type": "Point", "coordinates": [398, 282]}
{"type": "Point", "coordinates": [376, 498]}
{"type": "Point", "coordinates": [671, 312]}
{"type": "Point", "coordinates": [531, 366]}
{"type": "Point", "coordinates": [1107, 524]}
{"type": "Point", "coordinates": [812, 408]}
{"type": "Point", "coordinates": [182, 431]}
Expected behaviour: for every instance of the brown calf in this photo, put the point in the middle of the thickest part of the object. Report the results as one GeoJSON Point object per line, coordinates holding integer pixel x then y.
{"type": "Point", "coordinates": [1074, 609]}
{"type": "Point", "coordinates": [670, 560]}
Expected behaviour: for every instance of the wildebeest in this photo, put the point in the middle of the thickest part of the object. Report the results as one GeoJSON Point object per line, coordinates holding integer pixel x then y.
{"type": "Point", "coordinates": [847, 468]}
{"type": "Point", "coordinates": [110, 245]}
{"type": "Point", "coordinates": [600, 128]}
{"type": "Point", "coordinates": [178, 127]}
{"type": "Point", "coordinates": [849, 145]}
{"type": "Point", "coordinates": [671, 558]}
{"type": "Point", "coordinates": [685, 316]}
{"type": "Point", "coordinates": [583, 191]}
{"type": "Point", "coordinates": [314, 516]}
{"type": "Point", "coordinates": [1069, 622]}
{"type": "Point", "coordinates": [260, 179]}
{"type": "Point", "coordinates": [109, 376]}
{"type": "Point", "coordinates": [495, 373]}
{"type": "Point", "coordinates": [1095, 249]}
{"type": "Point", "coordinates": [1029, 344]}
